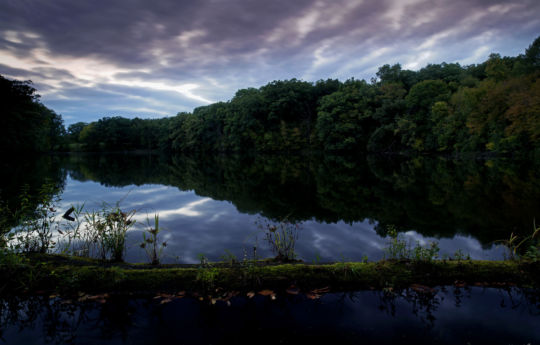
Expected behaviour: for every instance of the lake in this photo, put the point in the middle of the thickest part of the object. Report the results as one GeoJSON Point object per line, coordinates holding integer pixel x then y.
{"type": "Point", "coordinates": [210, 205]}
{"type": "Point", "coordinates": [452, 315]}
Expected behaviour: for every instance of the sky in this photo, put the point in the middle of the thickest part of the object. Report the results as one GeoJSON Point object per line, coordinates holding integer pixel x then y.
{"type": "Point", "coordinates": [140, 58]}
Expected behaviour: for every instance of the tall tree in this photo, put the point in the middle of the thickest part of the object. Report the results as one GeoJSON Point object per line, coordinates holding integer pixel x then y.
{"type": "Point", "coordinates": [26, 124]}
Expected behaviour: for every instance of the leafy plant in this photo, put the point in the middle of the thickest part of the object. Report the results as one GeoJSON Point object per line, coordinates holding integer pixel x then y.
{"type": "Point", "coordinates": [282, 237]}
{"type": "Point", "coordinates": [399, 249]}
{"type": "Point", "coordinates": [459, 255]}
{"type": "Point", "coordinates": [74, 240]}
{"type": "Point", "coordinates": [524, 248]}
{"type": "Point", "coordinates": [151, 244]}
{"type": "Point", "coordinates": [207, 276]}
{"type": "Point", "coordinates": [317, 259]}
{"type": "Point", "coordinates": [204, 260]}
{"type": "Point", "coordinates": [117, 224]}
{"type": "Point", "coordinates": [229, 257]}
{"type": "Point", "coordinates": [107, 228]}
{"type": "Point", "coordinates": [428, 253]}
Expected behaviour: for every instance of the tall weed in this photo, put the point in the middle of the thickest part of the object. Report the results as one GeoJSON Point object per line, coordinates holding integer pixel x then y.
{"type": "Point", "coordinates": [107, 228]}
{"type": "Point", "coordinates": [151, 244]}
{"type": "Point", "coordinates": [399, 249]}
{"type": "Point", "coordinates": [527, 248]}
{"type": "Point", "coordinates": [282, 237]}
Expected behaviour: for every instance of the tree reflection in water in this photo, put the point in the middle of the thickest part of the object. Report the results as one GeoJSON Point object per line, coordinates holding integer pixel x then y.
{"type": "Point", "coordinates": [445, 315]}
{"type": "Point", "coordinates": [437, 197]}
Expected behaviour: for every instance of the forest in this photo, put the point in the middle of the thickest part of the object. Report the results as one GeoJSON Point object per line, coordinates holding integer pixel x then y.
{"type": "Point", "coordinates": [442, 108]}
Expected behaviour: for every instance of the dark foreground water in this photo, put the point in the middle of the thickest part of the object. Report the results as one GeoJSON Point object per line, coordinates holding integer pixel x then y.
{"type": "Point", "coordinates": [208, 205]}
{"type": "Point", "coordinates": [451, 316]}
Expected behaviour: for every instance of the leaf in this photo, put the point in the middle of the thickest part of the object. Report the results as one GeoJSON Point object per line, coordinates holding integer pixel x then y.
{"type": "Point", "coordinates": [321, 290]}
{"type": "Point", "coordinates": [312, 295]}
{"type": "Point", "coordinates": [166, 295]}
{"type": "Point", "coordinates": [266, 292]}
{"type": "Point", "coordinates": [459, 283]}
{"type": "Point", "coordinates": [293, 290]}
{"type": "Point", "coordinates": [166, 300]}
{"type": "Point", "coordinates": [422, 289]}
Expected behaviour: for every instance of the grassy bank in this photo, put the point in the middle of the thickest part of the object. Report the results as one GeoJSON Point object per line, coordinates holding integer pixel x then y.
{"type": "Point", "coordinates": [26, 265]}
{"type": "Point", "coordinates": [66, 274]}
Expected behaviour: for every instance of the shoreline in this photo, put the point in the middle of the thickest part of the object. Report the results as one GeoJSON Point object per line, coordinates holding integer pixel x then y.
{"type": "Point", "coordinates": [63, 274]}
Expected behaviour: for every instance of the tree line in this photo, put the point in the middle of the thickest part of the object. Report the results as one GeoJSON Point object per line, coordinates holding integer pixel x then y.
{"type": "Point", "coordinates": [492, 106]}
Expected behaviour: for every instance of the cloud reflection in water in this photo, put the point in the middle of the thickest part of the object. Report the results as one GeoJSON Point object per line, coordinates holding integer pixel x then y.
{"type": "Point", "coordinates": [200, 225]}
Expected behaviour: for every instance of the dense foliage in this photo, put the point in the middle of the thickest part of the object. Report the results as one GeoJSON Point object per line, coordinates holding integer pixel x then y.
{"type": "Point", "coordinates": [27, 125]}
{"type": "Point", "coordinates": [493, 106]}
{"type": "Point", "coordinates": [119, 134]}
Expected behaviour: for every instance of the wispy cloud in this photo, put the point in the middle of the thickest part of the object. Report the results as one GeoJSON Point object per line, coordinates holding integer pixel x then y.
{"type": "Point", "coordinates": [151, 58]}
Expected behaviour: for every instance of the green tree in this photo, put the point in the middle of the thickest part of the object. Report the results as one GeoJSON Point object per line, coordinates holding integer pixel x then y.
{"type": "Point", "coordinates": [27, 125]}
{"type": "Point", "coordinates": [345, 117]}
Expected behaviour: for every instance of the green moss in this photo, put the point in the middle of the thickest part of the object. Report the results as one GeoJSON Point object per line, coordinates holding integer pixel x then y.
{"type": "Point", "coordinates": [62, 273]}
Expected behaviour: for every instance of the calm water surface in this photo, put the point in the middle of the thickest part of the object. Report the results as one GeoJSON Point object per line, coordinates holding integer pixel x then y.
{"type": "Point", "coordinates": [451, 316]}
{"type": "Point", "coordinates": [209, 204]}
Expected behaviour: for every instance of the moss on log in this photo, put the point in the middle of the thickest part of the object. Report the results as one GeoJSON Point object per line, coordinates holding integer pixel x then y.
{"type": "Point", "coordinates": [67, 274]}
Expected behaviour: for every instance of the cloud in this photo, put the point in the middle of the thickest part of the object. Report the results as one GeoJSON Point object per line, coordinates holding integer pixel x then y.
{"type": "Point", "coordinates": [194, 52]}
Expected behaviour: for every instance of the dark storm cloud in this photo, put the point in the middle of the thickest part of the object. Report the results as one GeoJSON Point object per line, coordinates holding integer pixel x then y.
{"type": "Point", "coordinates": [123, 31]}
{"type": "Point", "coordinates": [126, 31]}
{"type": "Point", "coordinates": [39, 72]}
{"type": "Point", "coordinates": [214, 47]}
{"type": "Point", "coordinates": [6, 70]}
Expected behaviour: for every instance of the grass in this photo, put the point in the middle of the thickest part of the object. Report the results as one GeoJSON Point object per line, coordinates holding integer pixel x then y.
{"type": "Point", "coordinates": [26, 266]}
{"type": "Point", "coordinates": [27, 228]}
{"type": "Point", "coordinates": [527, 247]}
{"type": "Point", "coordinates": [229, 257]}
{"type": "Point", "coordinates": [97, 233]}
{"type": "Point", "coordinates": [399, 249]}
{"type": "Point", "coordinates": [112, 226]}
